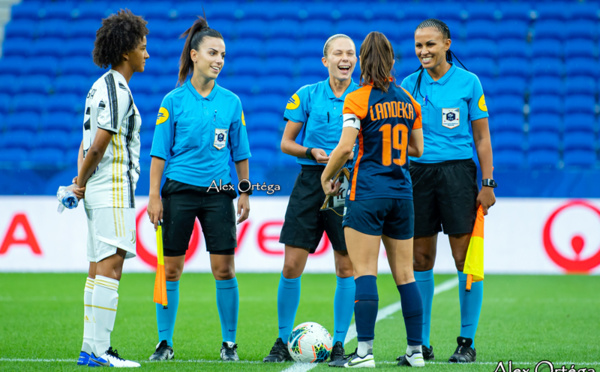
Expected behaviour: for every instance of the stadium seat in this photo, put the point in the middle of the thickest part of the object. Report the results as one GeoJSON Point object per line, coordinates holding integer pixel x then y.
{"type": "Point", "coordinates": [29, 103]}
{"type": "Point", "coordinates": [551, 29]}
{"type": "Point", "coordinates": [264, 139]}
{"type": "Point", "coordinates": [79, 66]}
{"type": "Point", "coordinates": [546, 104]}
{"type": "Point", "coordinates": [513, 67]}
{"type": "Point", "coordinates": [309, 48]}
{"type": "Point", "coordinates": [508, 159]}
{"type": "Point", "coordinates": [510, 104]}
{"type": "Point", "coordinates": [17, 139]}
{"type": "Point", "coordinates": [580, 104]}
{"type": "Point", "coordinates": [316, 29]}
{"type": "Point", "coordinates": [263, 158]}
{"type": "Point", "coordinates": [543, 159]}
{"type": "Point", "coordinates": [480, 11]}
{"type": "Point", "coordinates": [311, 66]}
{"type": "Point", "coordinates": [515, 11]}
{"type": "Point", "coordinates": [60, 28]}
{"type": "Point", "coordinates": [544, 122]}
{"type": "Point", "coordinates": [17, 47]}
{"type": "Point", "coordinates": [580, 158]}
{"type": "Point", "coordinates": [544, 140]}
{"type": "Point", "coordinates": [507, 122]}
{"type": "Point", "coordinates": [582, 29]}
{"type": "Point", "coordinates": [75, 84]}
{"type": "Point", "coordinates": [94, 10]}
{"type": "Point", "coordinates": [582, 67]}
{"type": "Point", "coordinates": [550, 11]}
{"type": "Point", "coordinates": [479, 48]}
{"type": "Point", "coordinates": [20, 28]}
{"type": "Point", "coordinates": [277, 84]}
{"type": "Point", "coordinates": [513, 48]}
{"type": "Point", "coordinates": [8, 85]}
{"type": "Point", "coordinates": [47, 157]}
{"type": "Point", "coordinates": [58, 10]}
{"type": "Point", "coordinates": [287, 29]}
{"type": "Point", "coordinates": [547, 67]}
{"type": "Point", "coordinates": [29, 121]}
{"type": "Point", "coordinates": [481, 29]}
{"type": "Point", "coordinates": [507, 141]}
{"type": "Point", "coordinates": [585, 48]}
{"type": "Point", "coordinates": [583, 11]}
{"type": "Point", "coordinates": [65, 103]}
{"type": "Point", "coordinates": [513, 85]}
{"type": "Point", "coordinates": [29, 10]}
{"type": "Point", "coordinates": [84, 28]}
{"type": "Point", "coordinates": [545, 85]}
{"type": "Point", "coordinates": [43, 66]}
{"type": "Point", "coordinates": [581, 123]}
{"type": "Point", "coordinates": [78, 47]}
{"type": "Point", "coordinates": [152, 11]}
{"type": "Point", "coordinates": [62, 121]}
{"type": "Point", "coordinates": [52, 139]}
{"type": "Point", "coordinates": [4, 106]}
{"type": "Point", "coordinates": [551, 48]}
{"type": "Point", "coordinates": [515, 29]}
{"type": "Point", "coordinates": [319, 11]}
{"type": "Point", "coordinates": [575, 140]}
{"type": "Point", "coordinates": [481, 66]}
{"type": "Point", "coordinates": [257, 48]}
{"type": "Point", "coordinates": [50, 47]}
{"type": "Point", "coordinates": [12, 156]}
{"type": "Point", "coordinates": [356, 30]}
{"type": "Point", "coordinates": [37, 84]}
{"type": "Point", "coordinates": [266, 121]}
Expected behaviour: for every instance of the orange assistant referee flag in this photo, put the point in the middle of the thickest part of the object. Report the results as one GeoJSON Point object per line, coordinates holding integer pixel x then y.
{"type": "Point", "coordinates": [160, 282]}
{"type": "Point", "coordinates": [474, 261]}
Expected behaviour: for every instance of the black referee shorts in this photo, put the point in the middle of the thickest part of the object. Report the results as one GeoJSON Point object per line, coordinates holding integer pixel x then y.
{"type": "Point", "coordinates": [445, 196]}
{"type": "Point", "coordinates": [304, 222]}
{"type": "Point", "coordinates": [182, 204]}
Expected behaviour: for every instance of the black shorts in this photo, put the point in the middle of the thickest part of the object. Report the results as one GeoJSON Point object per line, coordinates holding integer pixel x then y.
{"type": "Point", "coordinates": [389, 217]}
{"type": "Point", "coordinates": [183, 203]}
{"type": "Point", "coordinates": [304, 221]}
{"type": "Point", "coordinates": [445, 195]}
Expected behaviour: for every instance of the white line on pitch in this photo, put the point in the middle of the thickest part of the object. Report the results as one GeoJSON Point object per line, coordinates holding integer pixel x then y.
{"type": "Point", "coordinates": [381, 314]}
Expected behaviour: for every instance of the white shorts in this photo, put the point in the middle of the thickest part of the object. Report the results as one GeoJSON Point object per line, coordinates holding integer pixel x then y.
{"type": "Point", "coordinates": [109, 229]}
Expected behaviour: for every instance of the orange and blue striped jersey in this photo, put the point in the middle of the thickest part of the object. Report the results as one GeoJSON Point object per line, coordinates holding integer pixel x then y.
{"type": "Point", "coordinates": [386, 121]}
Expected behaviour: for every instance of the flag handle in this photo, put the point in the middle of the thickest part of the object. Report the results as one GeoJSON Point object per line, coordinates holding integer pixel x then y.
{"type": "Point", "coordinates": [160, 282]}
{"type": "Point", "coordinates": [469, 282]}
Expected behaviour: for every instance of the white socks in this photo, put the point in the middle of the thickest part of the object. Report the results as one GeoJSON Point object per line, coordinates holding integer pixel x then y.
{"type": "Point", "coordinates": [364, 348]}
{"type": "Point", "coordinates": [410, 350]}
{"type": "Point", "coordinates": [104, 304]}
{"type": "Point", "coordinates": [88, 317]}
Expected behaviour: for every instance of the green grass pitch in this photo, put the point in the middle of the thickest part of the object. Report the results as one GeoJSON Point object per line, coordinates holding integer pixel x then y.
{"type": "Point", "coordinates": [525, 319]}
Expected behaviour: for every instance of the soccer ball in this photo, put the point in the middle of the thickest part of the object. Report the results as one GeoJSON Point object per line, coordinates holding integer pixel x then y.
{"type": "Point", "coordinates": [310, 343]}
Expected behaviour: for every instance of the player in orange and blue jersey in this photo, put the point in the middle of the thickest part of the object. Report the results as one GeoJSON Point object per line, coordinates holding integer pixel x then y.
{"type": "Point", "coordinates": [387, 121]}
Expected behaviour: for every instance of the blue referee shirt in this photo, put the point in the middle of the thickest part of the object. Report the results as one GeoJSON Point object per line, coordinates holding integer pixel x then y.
{"type": "Point", "coordinates": [320, 111]}
{"type": "Point", "coordinates": [448, 106]}
{"type": "Point", "coordinates": [197, 135]}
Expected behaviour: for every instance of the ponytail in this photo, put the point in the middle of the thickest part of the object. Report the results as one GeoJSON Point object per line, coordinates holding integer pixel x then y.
{"type": "Point", "coordinates": [194, 36]}
{"type": "Point", "coordinates": [376, 61]}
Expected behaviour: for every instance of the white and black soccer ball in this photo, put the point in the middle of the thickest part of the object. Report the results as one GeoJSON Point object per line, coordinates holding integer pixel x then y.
{"type": "Point", "coordinates": [310, 343]}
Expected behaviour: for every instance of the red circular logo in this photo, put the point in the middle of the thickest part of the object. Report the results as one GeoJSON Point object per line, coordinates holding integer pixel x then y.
{"type": "Point", "coordinates": [149, 257]}
{"type": "Point", "coordinates": [576, 265]}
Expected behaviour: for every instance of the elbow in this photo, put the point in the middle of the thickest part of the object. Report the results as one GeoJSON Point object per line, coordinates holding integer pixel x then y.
{"type": "Point", "coordinates": [345, 151]}
{"type": "Point", "coordinates": [419, 152]}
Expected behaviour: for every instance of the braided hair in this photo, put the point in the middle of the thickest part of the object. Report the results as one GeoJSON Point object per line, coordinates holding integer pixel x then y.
{"type": "Point", "coordinates": [445, 31]}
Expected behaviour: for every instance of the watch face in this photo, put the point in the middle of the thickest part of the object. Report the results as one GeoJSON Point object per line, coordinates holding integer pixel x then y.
{"type": "Point", "coordinates": [489, 183]}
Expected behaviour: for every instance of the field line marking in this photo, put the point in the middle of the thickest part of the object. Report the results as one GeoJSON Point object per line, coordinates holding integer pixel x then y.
{"type": "Point", "coordinates": [381, 314]}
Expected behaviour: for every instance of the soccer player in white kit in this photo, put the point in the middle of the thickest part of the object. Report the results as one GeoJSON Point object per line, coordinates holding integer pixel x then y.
{"type": "Point", "coordinates": [108, 172]}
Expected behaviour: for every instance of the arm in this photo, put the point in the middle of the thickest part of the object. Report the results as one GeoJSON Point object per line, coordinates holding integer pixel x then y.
{"type": "Point", "coordinates": [79, 191]}
{"type": "Point", "coordinates": [243, 206]}
{"type": "Point", "coordinates": [290, 147]}
{"type": "Point", "coordinates": [415, 144]}
{"type": "Point", "coordinates": [155, 206]}
{"type": "Point", "coordinates": [338, 157]}
{"type": "Point", "coordinates": [93, 156]}
{"type": "Point", "coordinates": [483, 145]}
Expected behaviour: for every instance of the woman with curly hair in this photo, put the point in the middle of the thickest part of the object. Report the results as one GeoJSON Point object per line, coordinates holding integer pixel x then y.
{"type": "Point", "coordinates": [108, 165]}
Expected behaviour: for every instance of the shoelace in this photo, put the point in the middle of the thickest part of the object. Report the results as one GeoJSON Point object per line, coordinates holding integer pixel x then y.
{"type": "Point", "coordinates": [114, 353]}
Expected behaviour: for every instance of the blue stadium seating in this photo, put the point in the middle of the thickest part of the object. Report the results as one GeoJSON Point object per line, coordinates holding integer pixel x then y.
{"type": "Point", "coordinates": [515, 29]}
{"type": "Point", "coordinates": [62, 121]}
{"type": "Point", "coordinates": [58, 10]}
{"type": "Point", "coordinates": [545, 140]}
{"type": "Point", "coordinates": [264, 139]}
{"type": "Point", "coordinates": [65, 103]}
{"type": "Point", "coordinates": [550, 11]}
{"type": "Point", "coordinates": [507, 141]}
{"type": "Point", "coordinates": [50, 47]}
{"type": "Point", "coordinates": [36, 84]}
{"type": "Point", "coordinates": [24, 28]}
{"type": "Point", "coordinates": [47, 157]}
{"type": "Point", "coordinates": [79, 66]}
{"type": "Point", "coordinates": [95, 10]}
{"type": "Point", "coordinates": [4, 106]}
{"type": "Point", "coordinates": [17, 47]}
{"type": "Point", "coordinates": [482, 29]}
{"type": "Point", "coordinates": [546, 85]}
{"type": "Point", "coordinates": [580, 158]}
{"type": "Point", "coordinates": [29, 103]}
{"type": "Point", "coordinates": [507, 122]}
{"type": "Point", "coordinates": [29, 10]}
{"type": "Point", "coordinates": [509, 159]}
{"type": "Point", "coordinates": [54, 28]}
{"type": "Point", "coordinates": [515, 11]}
{"type": "Point", "coordinates": [481, 11]}
{"type": "Point", "coordinates": [575, 140]}
{"type": "Point", "coordinates": [17, 139]}
{"type": "Point", "coordinates": [78, 47]}
{"type": "Point", "coordinates": [512, 85]}
{"type": "Point", "coordinates": [509, 103]}
{"type": "Point", "coordinates": [582, 29]}
{"type": "Point", "coordinates": [582, 67]}
{"type": "Point", "coordinates": [583, 11]}
{"type": "Point", "coordinates": [514, 67]}
{"type": "Point", "coordinates": [585, 48]}
{"type": "Point", "coordinates": [544, 122]}
{"type": "Point", "coordinates": [551, 29]}
{"type": "Point", "coordinates": [547, 48]}
{"type": "Point", "coordinates": [546, 104]}
{"type": "Point", "coordinates": [513, 48]}
{"type": "Point", "coordinates": [548, 67]}
{"type": "Point", "coordinates": [580, 104]}
{"type": "Point", "coordinates": [316, 29]}
{"type": "Point", "coordinates": [540, 159]}
{"type": "Point", "coordinates": [85, 28]}
{"type": "Point", "coordinates": [581, 122]}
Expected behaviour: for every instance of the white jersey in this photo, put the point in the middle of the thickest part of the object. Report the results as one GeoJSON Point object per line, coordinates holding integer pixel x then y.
{"type": "Point", "coordinates": [109, 106]}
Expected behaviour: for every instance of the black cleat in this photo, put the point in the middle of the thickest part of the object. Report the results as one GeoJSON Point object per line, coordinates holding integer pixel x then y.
{"type": "Point", "coordinates": [279, 353]}
{"type": "Point", "coordinates": [229, 352]}
{"type": "Point", "coordinates": [428, 352]}
{"type": "Point", "coordinates": [163, 352]}
{"type": "Point", "coordinates": [464, 352]}
{"type": "Point", "coordinates": [337, 352]}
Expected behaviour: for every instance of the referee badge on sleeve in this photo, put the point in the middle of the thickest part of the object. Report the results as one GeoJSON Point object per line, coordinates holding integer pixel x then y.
{"type": "Point", "coordinates": [451, 117]}
{"type": "Point", "coordinates": [220, 138]}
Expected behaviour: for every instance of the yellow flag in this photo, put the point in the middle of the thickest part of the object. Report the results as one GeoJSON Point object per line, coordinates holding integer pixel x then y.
{"type": "Point", "coordinates": [474, 261]}
{"type": "Point", "coordinates": [160, 282]}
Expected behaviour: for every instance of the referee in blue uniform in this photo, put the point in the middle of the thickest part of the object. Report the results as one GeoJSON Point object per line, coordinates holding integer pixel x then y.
{"type": "Point", "coordinates": [317, 110]}
{"type": "Point", "coordinates": [200, 126]}
{"type": "Point", "coordinates": [446, 194]}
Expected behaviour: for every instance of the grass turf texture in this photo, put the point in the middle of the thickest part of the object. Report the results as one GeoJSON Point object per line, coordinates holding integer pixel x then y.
{"type": "Point", "coordinates": [525, 319]}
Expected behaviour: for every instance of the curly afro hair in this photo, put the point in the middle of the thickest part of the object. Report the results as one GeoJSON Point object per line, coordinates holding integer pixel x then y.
{"type": "Point", "coordinates": [120, 33]}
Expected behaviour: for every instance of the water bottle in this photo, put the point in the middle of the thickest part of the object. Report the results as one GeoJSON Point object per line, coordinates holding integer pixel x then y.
{"type": "Point", "coordinates": [66, 198]}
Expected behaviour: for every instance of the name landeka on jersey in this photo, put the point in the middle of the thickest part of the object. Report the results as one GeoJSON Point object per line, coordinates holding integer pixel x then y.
{"type": "Point", "coordinates": [392, 109]}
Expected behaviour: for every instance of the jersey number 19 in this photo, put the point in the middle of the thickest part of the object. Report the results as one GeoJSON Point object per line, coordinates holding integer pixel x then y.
{"type": "Point", "coordinates": [395, 138]}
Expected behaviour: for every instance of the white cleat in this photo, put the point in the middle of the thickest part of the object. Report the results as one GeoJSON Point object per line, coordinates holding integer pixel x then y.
{"type": "Point", "coordinates": [413, 360]}
{"type": "Point", "coordinates": [355, 361]}
{"type": "Point", "coordinates": [114, 360]}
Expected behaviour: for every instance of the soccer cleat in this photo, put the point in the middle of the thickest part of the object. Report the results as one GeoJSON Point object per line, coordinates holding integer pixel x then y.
{"type": "Point", "coordinates": [229, 352]}
{"type": "Point", "coordinates": [355, 361]}
{"type": "Point", "coordinates": [427, 353]}
{"type": "Point", "coordinates": [84, 359]}
{"type": "Point", "coordinates": [414, 360]}
{"type": "Point", "coordinates": [337, 352]}
{"type": "Point", "coordinates": [464, 352]}
{"type": "Point", "coordinates": [111, 359]}
{"type": "Point", "coordinates": [163, 352]}
{"type": "Point", "coordinates": [279, 353]}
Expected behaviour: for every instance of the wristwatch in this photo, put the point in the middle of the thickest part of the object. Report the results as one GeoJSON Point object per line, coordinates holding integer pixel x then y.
{"type": "Point", "coordinates": [488, 182]}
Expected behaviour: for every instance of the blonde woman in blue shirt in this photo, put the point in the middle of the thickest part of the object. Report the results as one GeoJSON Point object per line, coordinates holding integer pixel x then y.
{"type": "Point", "coordinates": [445, 190]}
{"type": "Point", "coordinates": [200, 126]}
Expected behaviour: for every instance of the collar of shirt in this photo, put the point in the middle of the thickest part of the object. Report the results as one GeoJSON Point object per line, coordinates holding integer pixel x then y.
{"type": "Point", "coordinates": [120, 78]}
{"type": "Point", "coordinates": [443, 79]}
{"type": "Point", "coordinates": [330, 94]}
{"type": "Point", "coordinates": [211, 95]}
